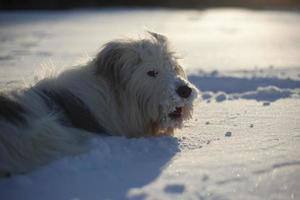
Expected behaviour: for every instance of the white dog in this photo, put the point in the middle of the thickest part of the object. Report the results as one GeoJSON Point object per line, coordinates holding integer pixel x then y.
{"type": "Point", "coordinates": [133, 88]}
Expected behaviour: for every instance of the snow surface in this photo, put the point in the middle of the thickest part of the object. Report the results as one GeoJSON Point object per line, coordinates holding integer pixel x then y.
{"type": "Point", "coordinates": [244, 139]}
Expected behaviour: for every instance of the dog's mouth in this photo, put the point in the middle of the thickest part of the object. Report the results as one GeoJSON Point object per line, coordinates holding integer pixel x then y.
{"type": "Point", "coordinates": [177, 114]}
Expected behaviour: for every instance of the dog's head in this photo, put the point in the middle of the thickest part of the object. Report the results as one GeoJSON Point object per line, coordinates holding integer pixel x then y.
{"type": "Point", "coordinates": [149, 82]}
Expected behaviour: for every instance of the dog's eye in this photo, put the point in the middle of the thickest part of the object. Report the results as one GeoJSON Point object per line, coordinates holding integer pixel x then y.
{"type": "Point", "coordinates": [152, 73]}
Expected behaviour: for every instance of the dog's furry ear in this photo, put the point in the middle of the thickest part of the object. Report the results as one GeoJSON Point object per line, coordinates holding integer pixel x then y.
{"type": "Point", "coordinates": [113, 60]}
{"type": "Point", "coordinates": [159, 37]}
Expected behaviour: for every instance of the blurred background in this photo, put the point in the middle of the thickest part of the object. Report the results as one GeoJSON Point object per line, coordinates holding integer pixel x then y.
{"type": "Point", "coordinates": [261, 37]}
{"type": "Point", "coordinates": [67, 4]}
{"type": "Point", "coordinates": [231, 49]}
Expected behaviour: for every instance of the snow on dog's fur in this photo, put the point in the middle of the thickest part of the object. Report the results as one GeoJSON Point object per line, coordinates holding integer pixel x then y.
{"type": "Point", "coordinates": [133, 88]}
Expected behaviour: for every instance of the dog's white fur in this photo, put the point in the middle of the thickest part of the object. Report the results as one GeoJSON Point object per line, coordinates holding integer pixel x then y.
{"type": "Point", "coordinates": [119, 92]}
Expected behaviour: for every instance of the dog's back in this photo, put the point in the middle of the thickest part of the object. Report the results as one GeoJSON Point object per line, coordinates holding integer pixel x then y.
{"type": "Point", "coordinates": [11, 110]}
{"type": "Point", "coordinates": [38, 126]}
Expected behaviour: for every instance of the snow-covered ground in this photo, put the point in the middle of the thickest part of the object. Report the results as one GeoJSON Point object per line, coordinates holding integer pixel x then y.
{"type": "Point", "coordinates": [244, 139]}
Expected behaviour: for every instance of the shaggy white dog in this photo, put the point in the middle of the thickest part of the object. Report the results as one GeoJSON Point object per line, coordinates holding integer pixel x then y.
{"type": "Point", "coordinates": [133, 88]}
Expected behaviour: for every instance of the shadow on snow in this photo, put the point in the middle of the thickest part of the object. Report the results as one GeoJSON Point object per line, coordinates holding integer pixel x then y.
{"type": "Point", "coordinates": [260, 89]}
{"type": "Point", "coordinates": [114, 167]}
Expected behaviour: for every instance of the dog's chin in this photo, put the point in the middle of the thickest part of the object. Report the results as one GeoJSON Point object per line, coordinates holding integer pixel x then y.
{"type": "Point", "coordinates": [174, 119]}
{"type": "Point", "coordinates": [177, 114]}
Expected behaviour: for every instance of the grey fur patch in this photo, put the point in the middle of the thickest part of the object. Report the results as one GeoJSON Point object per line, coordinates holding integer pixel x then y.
{"type": "Point", "coordinates": [5, 174]}
{"type": "Point", "coordinates": [111, 60]}
{"type": "Point", "coordinates": [108, 64]}
{"type": "Point", "coordinates": [12, 111]}
{"type": "Point", "coordinates": [76, 113]}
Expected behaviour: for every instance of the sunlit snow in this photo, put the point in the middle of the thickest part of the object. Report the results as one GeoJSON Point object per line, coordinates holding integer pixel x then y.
{"type": "Point", "coordinates": [245, 62]}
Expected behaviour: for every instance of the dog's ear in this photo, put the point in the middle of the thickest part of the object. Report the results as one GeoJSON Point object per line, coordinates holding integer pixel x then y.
{"type": "Point", "coordinates": [113, 60]}
{"type": "Point", "coordinates": [159, 37]}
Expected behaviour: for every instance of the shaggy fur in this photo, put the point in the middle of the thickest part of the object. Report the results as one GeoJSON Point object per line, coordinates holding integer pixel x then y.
{"type": "Point", "coordinates": [133, 88]}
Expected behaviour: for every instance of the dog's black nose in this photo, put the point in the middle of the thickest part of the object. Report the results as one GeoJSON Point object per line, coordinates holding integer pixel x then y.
{"type": "Point", "coordinates": [184, 91]}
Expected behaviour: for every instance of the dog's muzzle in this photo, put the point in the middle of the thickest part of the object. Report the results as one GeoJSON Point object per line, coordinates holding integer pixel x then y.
{"type": "Point", "coordinates": [185, 92]}
{"type": "Point", "coordinates": [177, 114]}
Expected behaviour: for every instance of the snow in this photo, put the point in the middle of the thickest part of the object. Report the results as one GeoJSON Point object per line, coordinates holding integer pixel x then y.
{"type": "Point", "coordinates": [258, 88]}
{"type": "Point", "coordinates": [245, 62]}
